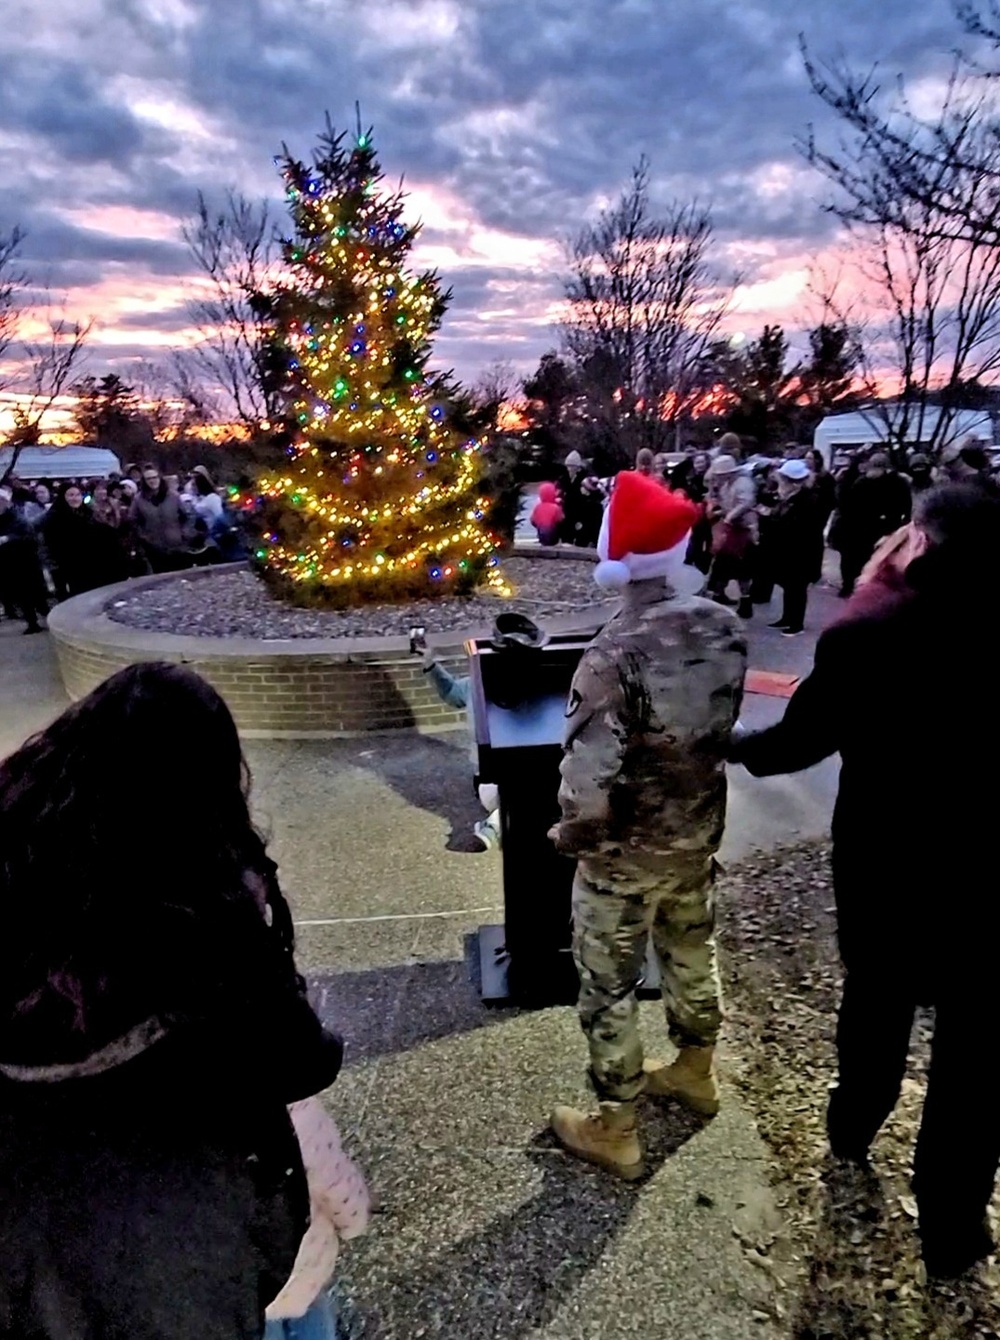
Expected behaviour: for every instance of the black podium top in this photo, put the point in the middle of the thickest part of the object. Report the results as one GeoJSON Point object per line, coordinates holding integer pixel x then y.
{"type": "Point", "coordinates": [519, 698]}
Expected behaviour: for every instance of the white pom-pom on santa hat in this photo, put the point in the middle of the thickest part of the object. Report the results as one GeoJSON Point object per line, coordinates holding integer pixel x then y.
{"type": "Point", "coordinates": [612, 575]}
{"type": "Point", "coordinates": [644, 532]}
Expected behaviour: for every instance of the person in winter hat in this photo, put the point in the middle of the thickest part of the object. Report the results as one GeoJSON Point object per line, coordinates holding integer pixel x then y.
{"type": "Point", "coordinates": [732, 509]}
{"type": "Point", "coordinates": [643, 798]}
{"type": "Point", "coordinates": [794, 531]}
{"type": "Point", "coordinates": [339, 1210]}
{"type": "Point", "coordinates": [547, 516]}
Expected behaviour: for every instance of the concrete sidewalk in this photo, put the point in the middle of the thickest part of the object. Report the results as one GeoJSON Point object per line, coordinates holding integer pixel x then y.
{"type": "Point", "coordinates": [484, 1228]}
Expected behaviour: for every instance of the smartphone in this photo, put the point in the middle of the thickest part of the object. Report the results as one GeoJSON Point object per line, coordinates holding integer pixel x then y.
{"type": "Point", "coordinates": [418, 640]}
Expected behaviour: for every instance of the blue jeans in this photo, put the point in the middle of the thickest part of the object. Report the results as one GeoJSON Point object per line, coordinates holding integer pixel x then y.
{"type": "Point", "coordinates": [318, 1323]}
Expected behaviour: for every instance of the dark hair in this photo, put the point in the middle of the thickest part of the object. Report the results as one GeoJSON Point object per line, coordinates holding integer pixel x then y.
{"type": "Point", "coordinates": [960, 515]}
{"type": "Point", "coordinates": [975, 457]}
{"type": "Point", "coordinates": [203, 481]}
{"type": "Point", "coordinates": [815, 456]}
{"type": "Point", "coordinates": [962, 525]}
{"type": "Point", "coordinates": [102, 924]}
{"type": "Point", "coordinates": [160, 492]}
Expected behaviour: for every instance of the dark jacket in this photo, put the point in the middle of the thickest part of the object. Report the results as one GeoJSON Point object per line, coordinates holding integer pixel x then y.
{"type": "Point", "coordinates": [86, 554]}
{"type": "Point", "coordinates": [871, 508]}
{"type": "Point", "coordinates": [894, 693]}
{"type": "Point", "coordinates": [21, 581]}
{"type": "Point", "coordinates": [153, 1189]}
{"type": "Point", "coordinates": [792, 531]}
{"type": "Point", "coordinates": [824, 492]}
{"type": "Point", "coordinates": [17, 541]}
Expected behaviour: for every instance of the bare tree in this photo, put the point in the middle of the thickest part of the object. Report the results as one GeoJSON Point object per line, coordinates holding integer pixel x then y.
{"type": "Point", "coordinates": [644, 304]}
{"type": "Point", "coordinates": [12, 280]}
{"type": "Point", "coordinates": [236, 250]}
{"type": "Point", "coordinates": [496, 387]}
{"type": "Point", "coordinates": [921, 200]}
{"type": "Point", "coordinates": [52, 362]}
{"type": "Point", "coordinates": [891, 160]}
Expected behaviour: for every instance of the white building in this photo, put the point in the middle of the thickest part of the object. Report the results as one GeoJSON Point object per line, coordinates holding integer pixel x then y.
{"type": "Point", "coordinates": [841, 432]}
{"type": "Point", "coordinates": [61, 462]}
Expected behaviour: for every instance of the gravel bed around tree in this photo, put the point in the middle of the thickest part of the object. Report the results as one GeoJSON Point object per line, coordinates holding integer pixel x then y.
{"type": "Point", "coordinates": [850, 1266]}
{"type": "Point", "coordinates": [239, 604]}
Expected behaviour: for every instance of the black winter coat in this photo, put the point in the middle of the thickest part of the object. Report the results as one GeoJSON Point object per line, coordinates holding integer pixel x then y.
{"type": "Point", "coordinates": [86, 553]}
{"type": "Point", "coordinates": [792, 531]}
{"type": "Point", "coordinates": [894, 692]}
{"type": "Point", "coordinates": [154, 1190]}
{"type": "Point", "coordinates": [871, 508]}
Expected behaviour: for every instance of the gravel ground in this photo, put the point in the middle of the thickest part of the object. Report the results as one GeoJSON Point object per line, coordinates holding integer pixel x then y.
{"type": "Point", "coordinates": [853, 1270]}
{"type": "Point", "coordinates": [239, 604]}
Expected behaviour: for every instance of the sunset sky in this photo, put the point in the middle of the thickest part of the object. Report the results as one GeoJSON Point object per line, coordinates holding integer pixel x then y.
{"type": "Point", "coordinates": [512, 120]}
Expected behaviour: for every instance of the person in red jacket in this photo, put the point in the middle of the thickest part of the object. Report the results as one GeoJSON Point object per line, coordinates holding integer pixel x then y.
{"type": "Point", "coordinates": [547, 515]}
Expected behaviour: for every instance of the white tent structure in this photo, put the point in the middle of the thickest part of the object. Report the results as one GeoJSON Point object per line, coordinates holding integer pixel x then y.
{"type": "Point", "coordinates": [841, 432]}
{"type": "Point", "coordinates": [61, 462]}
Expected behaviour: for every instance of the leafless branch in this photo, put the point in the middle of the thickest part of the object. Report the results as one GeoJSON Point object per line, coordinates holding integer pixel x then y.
{"type": "Point", "coordinates": [920, 196]}
{"type": "Point", "coordinates": [644, 305]}
{"type": "Point", "coordinates": [236, 251]}
{"type": "Point", "coordinates": [12, 281]}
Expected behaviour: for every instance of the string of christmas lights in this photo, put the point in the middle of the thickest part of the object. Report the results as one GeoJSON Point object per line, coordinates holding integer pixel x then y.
{"type": "Point", "coordinates": [380, 496]}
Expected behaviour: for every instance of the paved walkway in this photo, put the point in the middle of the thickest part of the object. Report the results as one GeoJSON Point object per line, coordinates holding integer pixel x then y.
{"type": "Point", "coordinates": [485, 1230]}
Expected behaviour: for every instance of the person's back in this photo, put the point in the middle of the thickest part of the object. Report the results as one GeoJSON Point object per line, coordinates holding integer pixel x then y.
{"type": "Point", "coordinates": [880, 504]}
{"type": "Point", "coordinates": [152, 1029]}
{"type": "Point", "coordinates": [897, 694]}
{"type": "Point", "coordinates": [547, 515]}
{"type": "Point", "coordinates": [678, 665]}
{"type": "Point", "coordinates": [643, 793]}
{"type": "Point", "coordinates": [911, 738]}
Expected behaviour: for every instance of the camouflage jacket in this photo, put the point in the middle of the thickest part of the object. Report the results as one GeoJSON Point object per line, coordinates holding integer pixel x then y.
{"type": "Point", "coordinates": [650, 711]}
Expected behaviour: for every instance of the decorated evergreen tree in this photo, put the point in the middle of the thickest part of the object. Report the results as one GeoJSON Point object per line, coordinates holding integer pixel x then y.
{"type": "Point", "coordinates": [381, 497]}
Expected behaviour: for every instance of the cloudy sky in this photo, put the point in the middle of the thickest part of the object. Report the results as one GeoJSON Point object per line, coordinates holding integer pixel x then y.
{"type": "Point", "coordinates": [511, 119]}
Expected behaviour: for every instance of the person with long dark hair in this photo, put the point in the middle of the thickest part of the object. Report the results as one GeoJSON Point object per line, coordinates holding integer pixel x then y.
{"type": "Point", "coordinates": [204, 500]}
{"type": "Point", "coordinates": [153, 1028]}
{"type": "Point", "coordinates": [79, 547]}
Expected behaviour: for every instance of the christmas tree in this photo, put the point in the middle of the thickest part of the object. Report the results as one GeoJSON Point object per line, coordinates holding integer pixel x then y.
{"type": "Point", "coordinates": [380, 499]}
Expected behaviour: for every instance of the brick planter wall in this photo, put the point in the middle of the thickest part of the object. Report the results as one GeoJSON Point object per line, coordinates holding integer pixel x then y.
{"type": "Point", "coordinates": [296, 688]}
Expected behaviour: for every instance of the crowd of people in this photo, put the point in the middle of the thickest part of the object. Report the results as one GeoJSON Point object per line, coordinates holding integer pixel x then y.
{"type": "Point", "coordinates": [57, 542]}
{"type": "Point", "coordinates": [165, 1167]}
{"type": "Point", "coordinates": [766, 521]}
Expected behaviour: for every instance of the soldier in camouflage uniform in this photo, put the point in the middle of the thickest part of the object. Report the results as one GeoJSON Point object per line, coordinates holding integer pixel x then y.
{"type": "Point", "coordinates": [643, 796]}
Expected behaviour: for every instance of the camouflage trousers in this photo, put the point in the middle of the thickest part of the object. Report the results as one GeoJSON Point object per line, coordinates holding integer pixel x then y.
{"type": "Point", "coordinates": [617, 906]}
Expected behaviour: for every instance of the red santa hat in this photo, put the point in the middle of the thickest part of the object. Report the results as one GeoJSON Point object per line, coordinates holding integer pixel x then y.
{"type": "Point", "coordinates": [644, 533]}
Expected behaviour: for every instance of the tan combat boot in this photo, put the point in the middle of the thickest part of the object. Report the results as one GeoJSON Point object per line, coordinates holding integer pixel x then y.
{"type": "Point", "coordinates": [691, 1079]}
{"type": "Point", "coordinates": [608, 1138]}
